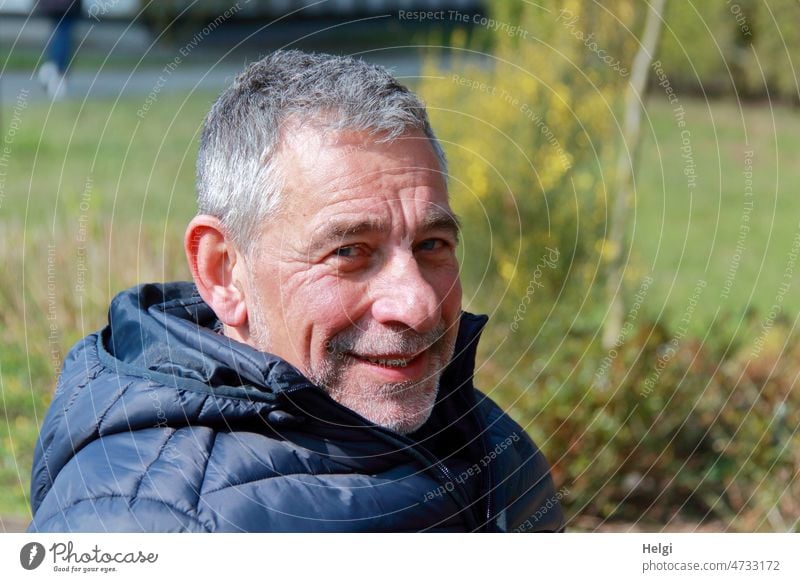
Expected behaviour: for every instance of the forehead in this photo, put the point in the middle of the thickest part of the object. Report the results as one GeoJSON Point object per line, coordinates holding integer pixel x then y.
{"type": "Point", "coordinates": [351, 173]}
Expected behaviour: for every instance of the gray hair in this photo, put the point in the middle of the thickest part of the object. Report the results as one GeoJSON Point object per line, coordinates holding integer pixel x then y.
{"type": "Point", "coordinates": [238, 179]}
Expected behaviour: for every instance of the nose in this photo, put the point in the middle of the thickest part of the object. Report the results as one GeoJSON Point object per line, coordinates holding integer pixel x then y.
{"type": "Point", "coordinates": [401, 295]}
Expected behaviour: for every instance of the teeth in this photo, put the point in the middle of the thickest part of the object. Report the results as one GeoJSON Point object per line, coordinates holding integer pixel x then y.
{"type": "Point", "coordinates": [393, 363]}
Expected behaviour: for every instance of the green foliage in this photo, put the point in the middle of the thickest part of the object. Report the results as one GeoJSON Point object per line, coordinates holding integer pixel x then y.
{"type": "Point", "coordinates": [749, 47]}
{"type": "Point", "coordinates": [645, 433]}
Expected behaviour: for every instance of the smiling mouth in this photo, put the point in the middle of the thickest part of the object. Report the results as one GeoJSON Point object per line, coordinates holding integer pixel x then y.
{"type": "Point", "coordinates": [390, 361]}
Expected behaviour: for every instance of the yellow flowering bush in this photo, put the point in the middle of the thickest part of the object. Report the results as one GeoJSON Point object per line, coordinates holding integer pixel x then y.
{"type": "Point", "coordinates": [530, 128]}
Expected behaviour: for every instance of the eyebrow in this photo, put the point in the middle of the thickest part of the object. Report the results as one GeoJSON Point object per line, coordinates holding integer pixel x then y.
{"type": "Point", "coordinates": [339, 230]}
{"type": "Point", "coordinates": [441, 220]}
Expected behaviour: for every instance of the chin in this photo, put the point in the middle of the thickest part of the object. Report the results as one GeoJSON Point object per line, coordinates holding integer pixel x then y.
{"type": "Point", "coordinates": [403, 409]}
{"type": "Point", "coordinates": [407, 423]}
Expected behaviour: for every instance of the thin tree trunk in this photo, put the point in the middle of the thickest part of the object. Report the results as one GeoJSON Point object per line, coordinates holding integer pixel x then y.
{"type": "Point", "coordinates": [624, 177]}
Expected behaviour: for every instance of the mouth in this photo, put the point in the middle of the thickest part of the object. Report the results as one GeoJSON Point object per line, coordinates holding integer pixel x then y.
{"type": "Point", "coordinates": [392, 368]}
{"type": "Point", "coordinates": [390, 360]}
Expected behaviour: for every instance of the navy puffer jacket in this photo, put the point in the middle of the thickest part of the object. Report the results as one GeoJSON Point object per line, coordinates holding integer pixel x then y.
{"type": "Point", "coordinates": [160, 424]}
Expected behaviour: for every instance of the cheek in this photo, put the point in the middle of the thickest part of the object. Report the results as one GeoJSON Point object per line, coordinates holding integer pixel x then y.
{"type": "Point", "coordinates": [330, 307]}
{"type": "Point", "coordinates": [337, 301]}
{"type": "Point", "coordinates": [448, 287]}
{"type": "Point", "coordinates": [305, 294]}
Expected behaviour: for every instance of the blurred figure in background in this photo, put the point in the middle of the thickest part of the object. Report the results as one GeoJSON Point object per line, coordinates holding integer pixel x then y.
{"type": "Point", "coordinates": [53, 72]}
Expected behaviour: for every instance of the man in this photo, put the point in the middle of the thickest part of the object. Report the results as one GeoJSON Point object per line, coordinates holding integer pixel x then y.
{"type": "Point", "coordinates": [317, 376]}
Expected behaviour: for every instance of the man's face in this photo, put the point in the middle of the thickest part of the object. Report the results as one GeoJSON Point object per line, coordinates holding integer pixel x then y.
{"type": "Point", "coordinates": [355, 281]}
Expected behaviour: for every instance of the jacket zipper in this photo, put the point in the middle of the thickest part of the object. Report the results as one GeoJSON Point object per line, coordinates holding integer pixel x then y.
{"type": "Point", "coordinates": [442, 473]}
{"type": "Point", "coordinates": [415, 450]}
{"type": "Point", "coordinates": [489, 480]}
{"type": "Point", "coordinates": [483, 432]}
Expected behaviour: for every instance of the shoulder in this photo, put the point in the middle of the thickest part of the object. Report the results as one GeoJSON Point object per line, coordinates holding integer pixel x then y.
{"type": "Point", "coordinates": [135, 481]}
{"type": "Point", "coordinates": [163, 479]}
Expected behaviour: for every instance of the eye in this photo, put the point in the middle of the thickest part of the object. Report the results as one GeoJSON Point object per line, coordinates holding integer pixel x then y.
{"type": "Point", "coordinates": [432, 244]}
{"type": "Point", "coordinates": [350, 252]}
{"type": "Point", "coordinates": [345, 251]}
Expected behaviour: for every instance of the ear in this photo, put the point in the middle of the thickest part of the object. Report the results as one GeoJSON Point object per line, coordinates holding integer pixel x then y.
{"type": "Point", "coordinates": [217, 269]}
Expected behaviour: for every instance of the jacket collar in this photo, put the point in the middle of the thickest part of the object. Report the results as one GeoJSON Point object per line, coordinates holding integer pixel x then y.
{"type": "Point", "coordinates": [168, 328]}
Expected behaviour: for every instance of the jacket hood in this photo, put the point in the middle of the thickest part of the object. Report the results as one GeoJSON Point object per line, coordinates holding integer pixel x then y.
{"type": "Point", "coordinates": [160, 362]}
{"type": "Point", "coordinates": [170, 330]}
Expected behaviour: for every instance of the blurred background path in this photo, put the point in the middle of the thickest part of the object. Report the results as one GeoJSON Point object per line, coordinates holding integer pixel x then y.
{"type": "Point", "coordinates": [122, 58]}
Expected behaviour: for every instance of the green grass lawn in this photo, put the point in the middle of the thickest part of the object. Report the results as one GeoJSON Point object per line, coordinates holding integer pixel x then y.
{"type": "Point", "coordinates": [683, 234]}
{"type": "Point", "coordinates": [96, 198]}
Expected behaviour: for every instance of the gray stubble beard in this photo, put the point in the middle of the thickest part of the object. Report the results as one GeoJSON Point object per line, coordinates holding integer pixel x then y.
{"type": "Point", "coordinates": [377, 404]}
{"type": "Point", "coordinates": [374, 404]}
